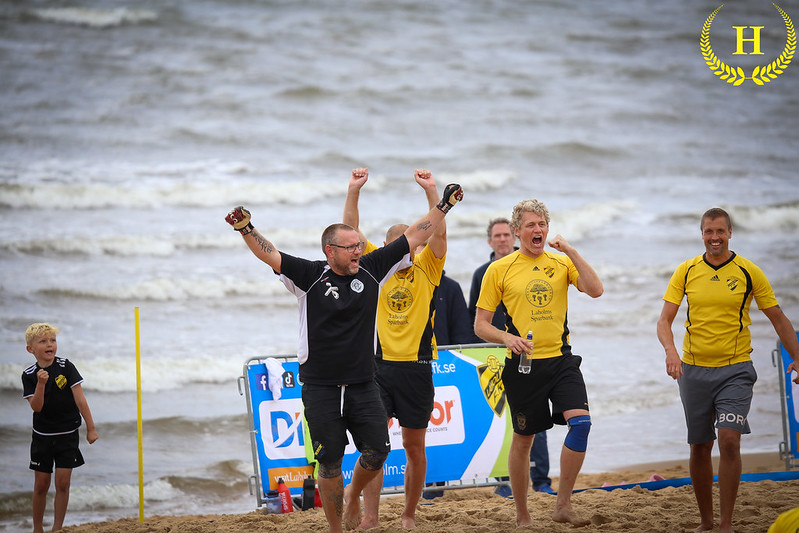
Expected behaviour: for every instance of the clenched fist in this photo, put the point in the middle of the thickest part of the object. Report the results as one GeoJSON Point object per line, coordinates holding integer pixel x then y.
{"type": "Point", "coordinates": [239, 218]}
{"type": "Point", "coordinates": [453, 193]}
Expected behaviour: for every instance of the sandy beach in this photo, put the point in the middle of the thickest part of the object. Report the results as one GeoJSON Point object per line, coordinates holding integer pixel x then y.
{"type": "Point", "coordinates": [479, 510]}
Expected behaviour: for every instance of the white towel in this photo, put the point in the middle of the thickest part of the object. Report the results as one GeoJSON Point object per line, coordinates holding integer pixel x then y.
{"type": "Point", "coordinates": [274, 369]}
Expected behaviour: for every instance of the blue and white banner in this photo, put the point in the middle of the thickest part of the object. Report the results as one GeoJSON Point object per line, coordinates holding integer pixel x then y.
{"type": "Point", "coordinates": [791, 407]}
{"type": "Point", "coordinates": [468, 436]}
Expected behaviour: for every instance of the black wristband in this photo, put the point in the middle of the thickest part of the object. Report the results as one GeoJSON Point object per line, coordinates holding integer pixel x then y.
{"type": "Point", "coordinates": [444, 207]}
{"type": "Point", "coordinates": [246, 230]}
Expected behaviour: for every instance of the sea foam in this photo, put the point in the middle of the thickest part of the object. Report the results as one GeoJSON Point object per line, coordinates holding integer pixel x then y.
{"type": "Point", "coordinates": [95, 18]}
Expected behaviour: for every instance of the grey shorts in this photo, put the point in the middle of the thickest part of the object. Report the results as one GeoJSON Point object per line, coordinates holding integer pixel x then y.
{"type": "Point", "coordinates": [716, 397]}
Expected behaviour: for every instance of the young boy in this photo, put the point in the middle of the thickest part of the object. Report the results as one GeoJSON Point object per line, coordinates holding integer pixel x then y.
{"type": "Point", "coordinates": [52, 387]}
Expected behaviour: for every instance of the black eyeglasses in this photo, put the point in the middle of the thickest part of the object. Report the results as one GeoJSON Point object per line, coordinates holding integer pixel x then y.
{"type": "Point", "coordinates": [352, 247]}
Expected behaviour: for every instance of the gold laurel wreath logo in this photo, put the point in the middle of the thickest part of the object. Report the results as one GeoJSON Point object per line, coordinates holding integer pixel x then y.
{"type": "Point", "coordinates": [761, 74]}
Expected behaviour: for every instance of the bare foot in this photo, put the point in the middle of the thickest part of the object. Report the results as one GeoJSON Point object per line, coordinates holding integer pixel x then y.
{"type": "Point", "coordinates": [567, 515]}
{"type": "Point", "coordinates": [704, 527]}
{"type": "Point", "coordinates": [367, 523]}
{"type": "Point", "coordinates": [408, 522]}
{"type": "Point", "coordinates": [352, 513]}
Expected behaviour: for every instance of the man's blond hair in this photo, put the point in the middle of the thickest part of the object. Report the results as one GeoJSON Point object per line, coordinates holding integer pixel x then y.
{"type": "Point", "coordinates": [528, 206]}
{"type": "Point", "coordinates": [39, 329]}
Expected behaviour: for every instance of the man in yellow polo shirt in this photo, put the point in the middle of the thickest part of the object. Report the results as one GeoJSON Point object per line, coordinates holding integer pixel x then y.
{"type": "Point", "coordinates": [716, 375]}
{"type": "Point", "coordinates": [406, 346]}
{"type": "Point", "coordinates": [533, 285]}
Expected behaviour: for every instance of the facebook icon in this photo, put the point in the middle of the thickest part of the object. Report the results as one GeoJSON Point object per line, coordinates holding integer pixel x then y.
{"type": "Point", "coordinates": [262, 381]}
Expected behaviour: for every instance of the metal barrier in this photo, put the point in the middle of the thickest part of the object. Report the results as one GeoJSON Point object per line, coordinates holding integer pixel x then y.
{"type": "Point", "coordinates": [468, 436]}
{"type": "Point", "coordinates": [789, 447]}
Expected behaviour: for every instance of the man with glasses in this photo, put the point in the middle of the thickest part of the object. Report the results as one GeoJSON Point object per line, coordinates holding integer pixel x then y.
{"type": "Point", "coordinates": [406, 346]}
{"type": "Point", "coordinates": [338, 300]}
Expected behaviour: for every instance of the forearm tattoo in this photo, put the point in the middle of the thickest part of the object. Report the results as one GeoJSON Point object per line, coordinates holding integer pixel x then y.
{"type": "Point", "coordinates": [265, 245]}
{"type": "Point", "coordinates": [424, 225]}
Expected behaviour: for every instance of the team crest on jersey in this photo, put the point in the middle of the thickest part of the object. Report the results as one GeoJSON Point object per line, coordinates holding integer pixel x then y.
{"type": "Point", "coordinates": [61, 381]}
{"type": "Point", "coordinates": [732, 283]}
{"type": "Point", "coordinates": [408, 274]}
{"type": "Point", "coordinates": [549, 271]}
{"type": "Point", "coordinates": [356, 285]}
{"type": "Point", "coordinates": [539, 293]}
{"type": "Point", "coordinates": [399, 299]}
{"type": "Point", "coordinates": [490, 376]}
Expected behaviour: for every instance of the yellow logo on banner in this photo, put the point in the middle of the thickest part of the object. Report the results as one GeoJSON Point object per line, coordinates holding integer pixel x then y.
{"type": "Point", "coordinates": [761, 74]}
{"type": "Point", "coordinates": [491, 383]}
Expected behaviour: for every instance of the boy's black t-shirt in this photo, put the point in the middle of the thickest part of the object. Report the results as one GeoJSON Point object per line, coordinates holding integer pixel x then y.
{"type": "Point", "coordinates": [59, 414]}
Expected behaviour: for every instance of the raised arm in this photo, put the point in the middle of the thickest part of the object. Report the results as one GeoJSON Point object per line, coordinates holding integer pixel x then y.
{"type": "Point", "coordinates": [37, 400]}
{"type": "Point", "coordinates": [588, 281]}
{"type": "Point", "coordinates": [422, 229]}
{"type": "Point", "coordinates": [351, 216]}
{"type": "Point", "coordinates": [239, 218]}
{"type": "Point", "coordinates": [438, 242]}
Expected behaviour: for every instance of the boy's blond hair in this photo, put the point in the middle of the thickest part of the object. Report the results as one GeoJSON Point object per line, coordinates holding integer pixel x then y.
{"type": "Point", "coordinates": [37, 330]}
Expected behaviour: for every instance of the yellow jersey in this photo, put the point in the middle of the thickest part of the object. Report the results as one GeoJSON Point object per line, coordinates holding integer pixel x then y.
{"type": "Point", "coordinates": [535, 294]}
{"type": "Point", "coordinates": [406, 310]}
{"type": "Point", "coordinates": [717, 320]}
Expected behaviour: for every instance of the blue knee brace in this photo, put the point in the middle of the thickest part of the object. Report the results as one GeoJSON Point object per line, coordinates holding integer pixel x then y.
{"type": "Point", "coordinates": [577, 437]}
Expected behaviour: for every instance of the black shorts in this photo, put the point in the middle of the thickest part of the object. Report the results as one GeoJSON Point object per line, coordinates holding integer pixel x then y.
{"type": "Point", "coordinates": [407, 390]}
{"type": "Point", "coordinates": [59, 449]}
{"type": "Point", "coordinates": [332, 410]}
{"type": "Point", "coordinates": [557, 379]}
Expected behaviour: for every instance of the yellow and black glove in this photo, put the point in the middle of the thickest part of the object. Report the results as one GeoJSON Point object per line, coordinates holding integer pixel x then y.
{"type": "Point", "coordinates": [239, 218]}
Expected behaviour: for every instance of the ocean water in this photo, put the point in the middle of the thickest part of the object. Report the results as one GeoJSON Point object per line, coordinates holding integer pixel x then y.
{"type": "Point", "coordinates": [129, 129]}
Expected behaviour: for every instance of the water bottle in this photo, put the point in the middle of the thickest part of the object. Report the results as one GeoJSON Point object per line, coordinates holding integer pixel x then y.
{"type": "Point", "coordinates": [526, 360]}
{"type": "Point", "coordinates": [273, 502]}
{"type": "Point", "coordinates": [286, 505]}
{"type": "Point", "coordinates": [308, 486]}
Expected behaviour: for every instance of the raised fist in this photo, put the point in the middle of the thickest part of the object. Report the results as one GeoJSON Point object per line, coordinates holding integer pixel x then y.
{"type": "Point", "coordinates": [239, 218]}
{"type": "Point", "coordinates": [453, 193]}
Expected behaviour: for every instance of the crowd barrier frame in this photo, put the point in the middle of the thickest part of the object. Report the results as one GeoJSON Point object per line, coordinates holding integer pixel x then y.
{"type": "Point", "coordinates": [789, 403]}
{"type": "Point", "coordinates": [467, 446]}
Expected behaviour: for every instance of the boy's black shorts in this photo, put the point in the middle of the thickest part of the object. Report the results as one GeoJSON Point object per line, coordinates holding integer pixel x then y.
{"type": "Point", "coordinates": [59, 449]}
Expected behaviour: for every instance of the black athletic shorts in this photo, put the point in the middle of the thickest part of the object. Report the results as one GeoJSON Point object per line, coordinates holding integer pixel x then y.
{"type": "Point", "coordinates": [332, 410]}
{"type": "Point", "coordinates": [61, 450]}
{"type": "Point", "coordinates": [557, 379]}
{"type": "Point", "coordinates": [407, 390]}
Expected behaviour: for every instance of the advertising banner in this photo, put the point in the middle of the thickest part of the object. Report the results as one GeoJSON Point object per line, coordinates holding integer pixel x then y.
{"type": "Point", "coordinates": [790, 408]}
{"type": "Point", "coordinates": [468, 436]}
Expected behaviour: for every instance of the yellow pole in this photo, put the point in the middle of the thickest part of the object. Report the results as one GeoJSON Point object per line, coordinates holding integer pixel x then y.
{"type": "Point", "coordinates": [138, 416]}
